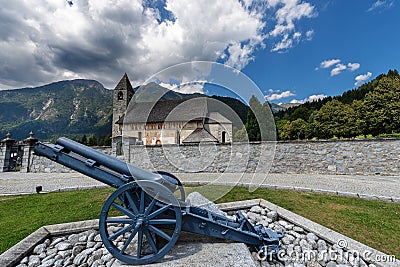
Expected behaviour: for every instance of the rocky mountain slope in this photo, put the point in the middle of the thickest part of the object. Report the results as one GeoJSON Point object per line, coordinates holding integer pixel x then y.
{"type": "Point", "coordinates": [68, 107]}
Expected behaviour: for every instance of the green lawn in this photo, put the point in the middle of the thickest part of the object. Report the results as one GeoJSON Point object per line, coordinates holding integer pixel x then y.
{"type": "Point", "coordinates": [374, 223]}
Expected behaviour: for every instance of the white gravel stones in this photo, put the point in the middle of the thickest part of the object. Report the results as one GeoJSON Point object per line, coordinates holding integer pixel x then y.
{"type": "Point", "coordinates": [39, 249]}
{"type": "Point", "coordinates": [72, 250]}
{"type": "Point", "coordinates": [63, 246]}
{"type": "Point", "coordinates": [273, 215]}
{"type": "Point", "coordinates": [298, 248]}
{"type": "Point", "coordinates": [256, 209]}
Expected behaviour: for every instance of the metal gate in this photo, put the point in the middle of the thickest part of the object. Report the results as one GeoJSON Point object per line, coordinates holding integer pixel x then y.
{"type": "Point", "coordinates": [17, 152]}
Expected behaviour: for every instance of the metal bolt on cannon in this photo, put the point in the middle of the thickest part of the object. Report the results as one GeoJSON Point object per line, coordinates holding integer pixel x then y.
{"type": "Point", "coordinates": [141, 221]}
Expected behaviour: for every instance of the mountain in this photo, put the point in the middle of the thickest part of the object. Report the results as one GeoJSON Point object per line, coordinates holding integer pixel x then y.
{"type": "Point", "coordinates": [232, 104]}
{"type": "Point", "coordinates": [154, 92]}
{"type": "Point", "coordinates": [70, 108]}
{"type": "Point", "coordinates": [285, 106]}
{"type": "Point", "coordinates": [75, 108]}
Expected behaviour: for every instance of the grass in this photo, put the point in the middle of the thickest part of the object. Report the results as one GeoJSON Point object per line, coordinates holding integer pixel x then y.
{"type": "Point", "coordinates": [374, 223]}
{"type": "Point", "coordinates": [22, 215]}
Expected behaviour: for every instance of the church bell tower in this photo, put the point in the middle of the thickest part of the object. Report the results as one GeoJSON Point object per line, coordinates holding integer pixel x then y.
{"type": "Point", "coordinates": [123, 93]}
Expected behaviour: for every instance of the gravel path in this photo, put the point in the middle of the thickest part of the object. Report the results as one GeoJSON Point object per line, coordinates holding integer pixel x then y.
{"type": "Point", "coordinates": [12, 183]}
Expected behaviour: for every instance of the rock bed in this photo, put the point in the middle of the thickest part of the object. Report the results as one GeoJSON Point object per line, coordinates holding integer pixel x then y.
{"type": "Point", "coordinates": [298, 248]}
{"type": "Point", "coordinates": [84, 249]}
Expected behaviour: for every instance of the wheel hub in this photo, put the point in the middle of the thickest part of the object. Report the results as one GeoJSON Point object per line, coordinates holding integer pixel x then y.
{"type": "Point", "coordinates": [142, 221]}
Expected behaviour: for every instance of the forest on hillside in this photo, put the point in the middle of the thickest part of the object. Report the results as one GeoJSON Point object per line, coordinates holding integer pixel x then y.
{"type": "Point", "coordinates": [371, 110]}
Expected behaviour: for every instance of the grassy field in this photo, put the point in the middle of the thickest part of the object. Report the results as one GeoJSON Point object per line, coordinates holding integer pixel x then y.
{"type": "Point", "coordinates": [374, 223]}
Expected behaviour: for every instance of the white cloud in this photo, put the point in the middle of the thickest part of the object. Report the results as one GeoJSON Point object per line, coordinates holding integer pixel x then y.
{"type": "Point", "coordinates": [186, 88]}
{"type": "Point", "coordinates": [381, 5]}
{"type": "Point", "coordinates": [311, 98]}
{"type": "Point", "coordinates": [338, 69]}
{"type": "Point", "coordinates": [287, 14]}
{"type": "Point", "coordinates": [297, 35]}
{"type": "Point", "coordinates": [49, 40]}
{"type": "Point", "coordinates": [309, 35]}
{"type": "Point", "coordinates": [284, 94]}
{"type": "Point", "coordinates": [240, 55]}
{"type": "Point", "coordinates": [284, 44]}
{"type": "Point", "coordinates": [291, 11]}
{"type": "Point", "coordinates": [273, 91]}
{"type": "Point", "coordinates": [376, 5]}
{"type": "Point", "coordinates": [329, 63]}
{"type": "Point", "coordinates": [169, 86]}
{"type": "Point", "coordinates": [353, 66]}
{"type": "Point", "coordinates": [362, 78]}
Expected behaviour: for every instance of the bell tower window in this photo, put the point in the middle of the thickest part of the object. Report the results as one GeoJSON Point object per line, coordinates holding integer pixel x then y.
{"type": "Point", "coordinates": [120, 95]}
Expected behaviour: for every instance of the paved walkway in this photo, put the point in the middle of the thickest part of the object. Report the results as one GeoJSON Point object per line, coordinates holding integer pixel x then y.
{"type": "Point", "coordinates": [380, 187]}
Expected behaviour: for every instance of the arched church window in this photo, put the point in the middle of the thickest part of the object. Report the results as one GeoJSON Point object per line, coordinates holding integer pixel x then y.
{"type": "Point", "coordinates": [223, 137]}
{"type": "Point", "coordinates": [120, 96]}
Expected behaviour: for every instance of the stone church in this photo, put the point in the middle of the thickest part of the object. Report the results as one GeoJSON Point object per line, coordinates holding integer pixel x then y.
{"type": "Point", "coordinates": [177, 121]}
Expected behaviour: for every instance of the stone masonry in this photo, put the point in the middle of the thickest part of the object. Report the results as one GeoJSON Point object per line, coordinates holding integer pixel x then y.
{"type": "Point", "coordinates": [354, 157]}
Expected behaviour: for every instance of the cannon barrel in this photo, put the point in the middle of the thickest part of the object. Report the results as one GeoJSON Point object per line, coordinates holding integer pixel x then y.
{"type": "Point", "coordinates": [108, 161]}
{"type": "Point", "coordinates": [146, 204]}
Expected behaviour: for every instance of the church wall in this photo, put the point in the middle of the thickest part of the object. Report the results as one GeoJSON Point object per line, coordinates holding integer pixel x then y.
{"type": "Point", "coordinates": [217, 129]}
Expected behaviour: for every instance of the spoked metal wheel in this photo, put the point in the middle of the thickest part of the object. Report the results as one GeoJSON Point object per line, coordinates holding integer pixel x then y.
{"type": "Point", "coordinates": [140, 224]}
{"type": "Point", "coordinates": [174, 181]}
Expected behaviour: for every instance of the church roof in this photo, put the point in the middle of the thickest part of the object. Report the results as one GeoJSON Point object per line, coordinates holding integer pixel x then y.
{"type": "Point", "coordinates": [215, 118]}
{"type": "Point", "coordinates": [200, 135]}
{"type": "Point", "coordinates": [166, 111]}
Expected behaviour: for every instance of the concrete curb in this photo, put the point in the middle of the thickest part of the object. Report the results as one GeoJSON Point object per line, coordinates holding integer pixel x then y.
{"type": "Point", "coordinates": [16, 253]}
{"type": "Point", "coordinates": [12, 256]}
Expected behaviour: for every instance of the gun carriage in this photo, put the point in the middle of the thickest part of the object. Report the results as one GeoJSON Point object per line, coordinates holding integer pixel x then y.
{"type": "Point", "coordinates": [141, 221]}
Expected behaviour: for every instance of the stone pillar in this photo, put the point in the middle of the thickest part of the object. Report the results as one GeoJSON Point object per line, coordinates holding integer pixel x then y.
{"type": "Point", "coordinates": [126, 150]}
{"type": "Point", "coordinates": [5, 153]}
{"type": "Point", "coordinates": [28, 151]}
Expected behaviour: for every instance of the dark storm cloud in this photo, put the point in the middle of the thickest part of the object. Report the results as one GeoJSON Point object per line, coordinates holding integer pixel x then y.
{"type": "Point", "coordinates": [48, 40]}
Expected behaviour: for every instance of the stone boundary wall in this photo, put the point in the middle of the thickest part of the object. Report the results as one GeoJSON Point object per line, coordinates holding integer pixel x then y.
{"type": "Point", "coordinates": [42, 164]}
{"type": "Point", "coordinates": [354, 157]}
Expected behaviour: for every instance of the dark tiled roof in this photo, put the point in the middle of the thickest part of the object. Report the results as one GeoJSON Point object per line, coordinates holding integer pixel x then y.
{"type": "Point", "coordinates": [215, 118]}
{"type": "Point", "coordinates": [200, 135]}
{"type": "Point", "coordinates": [166, 110]}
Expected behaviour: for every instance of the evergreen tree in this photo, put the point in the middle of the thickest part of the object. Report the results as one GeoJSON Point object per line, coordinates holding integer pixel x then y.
{"type": "Point", "coordinates": [252, 126]}
{"type": "Point", "coordinates": [381, 107]}
{"type": "Point", "coordinates": [84, 139]}
{"type": "Point", "coordinates": [373, 108]}
{"type": "Point", "coordinates": [92, 141]}
{"type": "Point", "coordinates": [240, 135]}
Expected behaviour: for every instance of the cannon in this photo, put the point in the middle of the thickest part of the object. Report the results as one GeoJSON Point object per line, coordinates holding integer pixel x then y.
{"type": "Point", "coordinates": [142, 219]}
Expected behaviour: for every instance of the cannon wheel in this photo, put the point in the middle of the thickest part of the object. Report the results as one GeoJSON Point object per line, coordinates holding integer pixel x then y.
{"type": "Point", "coordinates": [140, 224]}
{"type": "Point", "coordinates": [173, 179]}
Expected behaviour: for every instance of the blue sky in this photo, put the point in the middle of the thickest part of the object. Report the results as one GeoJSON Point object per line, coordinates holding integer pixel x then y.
{"type": "Point", "coordinates": [293, 50]}
{"type": "Point", "coordinates": [349, 31]}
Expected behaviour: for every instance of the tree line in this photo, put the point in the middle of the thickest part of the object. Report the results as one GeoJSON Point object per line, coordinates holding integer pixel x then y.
{"type": "Point", "coordinates": [93, 140]}
{"type": "Point", "coordinates": [372, 110]}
